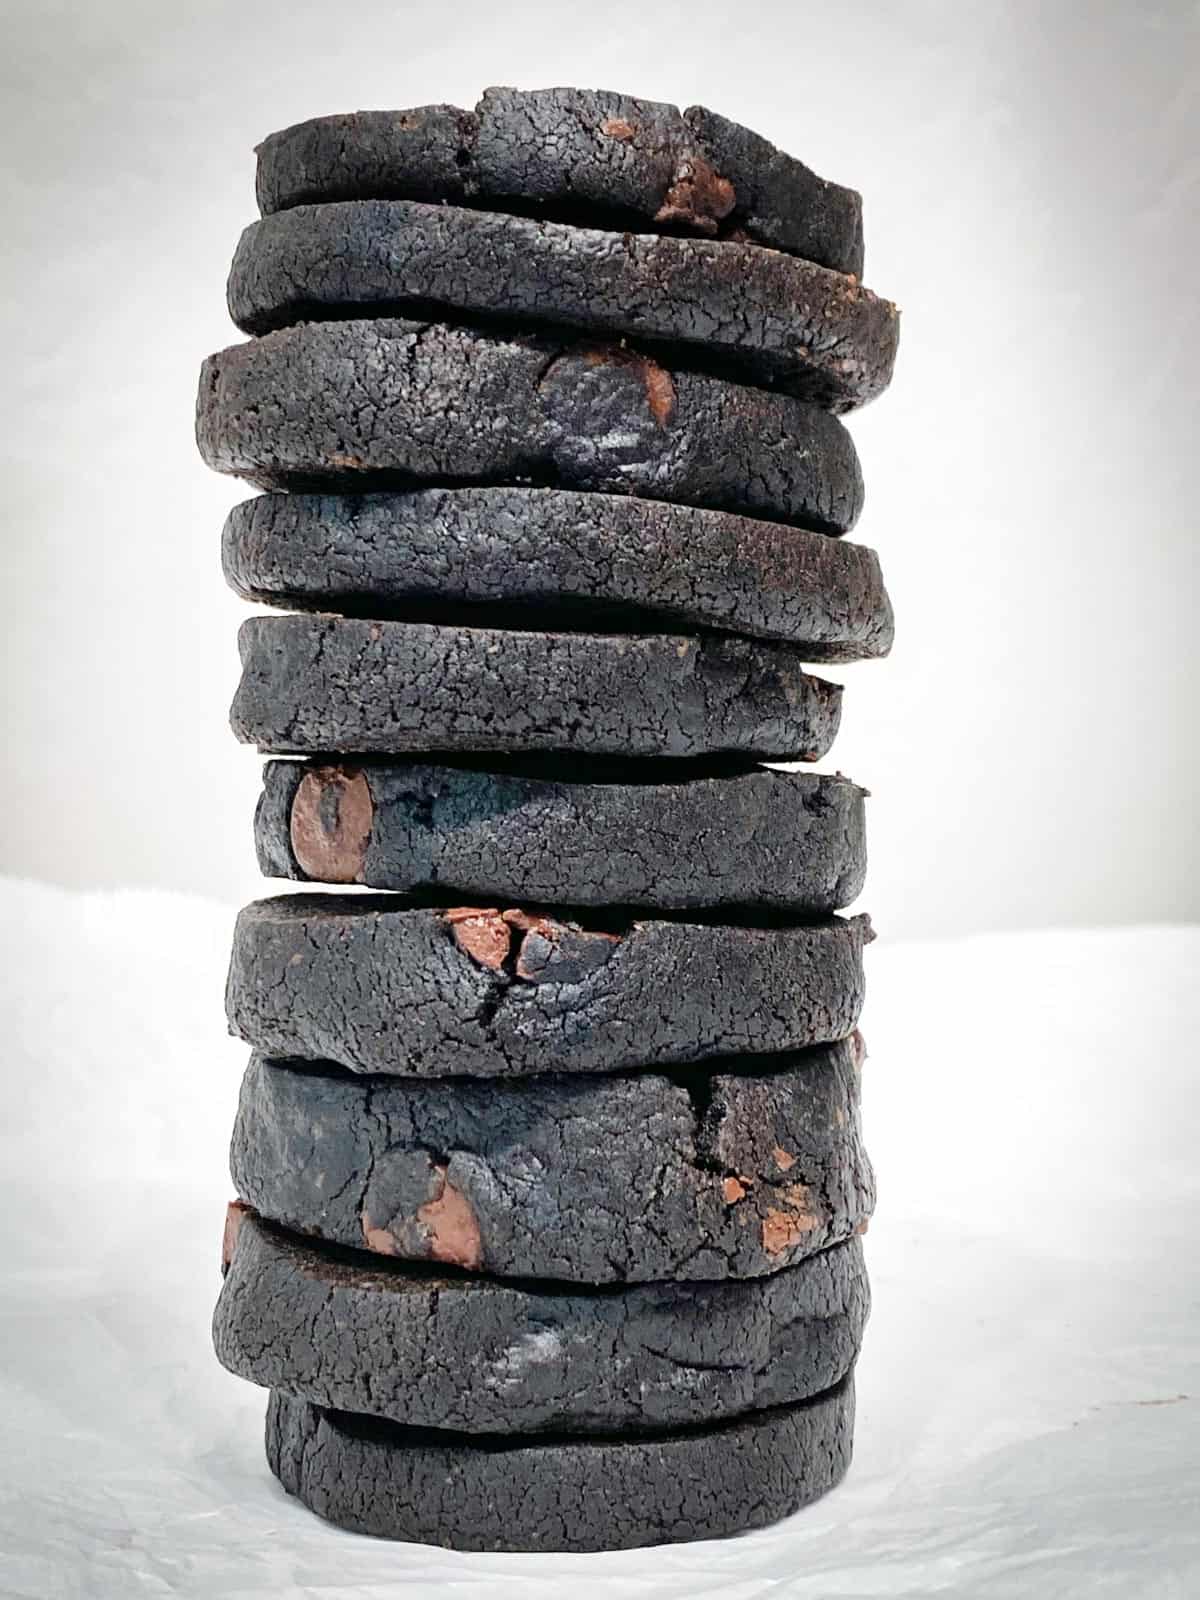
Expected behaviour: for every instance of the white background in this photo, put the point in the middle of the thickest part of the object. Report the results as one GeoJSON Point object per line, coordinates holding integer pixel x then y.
{"type": "Point", "coordinates": [1029, 172]}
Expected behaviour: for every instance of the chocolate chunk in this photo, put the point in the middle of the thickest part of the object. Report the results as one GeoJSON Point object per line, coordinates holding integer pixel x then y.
{"type": "Point", "coordinates": [767, 317]}
{"type": "Point", "coordinates": [478, 1355]}
{"type": "Point", "coordinates": [316, 684]}
{"type": "Point", "coordinates": [388, 402]}
{"type": "Point", "coordinates": [590, 1179]}
{"type": "Point", "coordinates": [553, 557]}
{"type": "Point", "coordinates": [378, 984]}
{"type": "Point", "coordinates": [559, 833]}
{"type": "Point", "coordinates": [556, 1493]}
{"type": "Point", "coordinates": [577, 153]}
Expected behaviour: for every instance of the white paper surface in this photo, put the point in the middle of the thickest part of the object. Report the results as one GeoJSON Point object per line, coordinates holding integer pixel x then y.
{"type": "Point", "coordinates": [1029, 1420]}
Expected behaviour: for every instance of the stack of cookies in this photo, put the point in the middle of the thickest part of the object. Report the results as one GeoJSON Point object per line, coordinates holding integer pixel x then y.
{"type": "Point", "coordinates": [549, 1174]}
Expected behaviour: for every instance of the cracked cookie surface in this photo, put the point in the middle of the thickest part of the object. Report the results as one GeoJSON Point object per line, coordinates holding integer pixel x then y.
{"type": "Point", "coordinates": [599, 1179]}
{"type": "Point", "coordinates": [591, 154]}
{"type": "Point", "coordinates": [743, 838]}
{"type": "Point", "coordinates": [558, 1493]}
{"type": "Point", "coordinates": [549, 558]}
{"type": "Point", "coordinates": [768, 317]}
{"type": "Point", "coordinates": [312, 685]}
{"type": "Point", "coordinates": [478, 1355]}
{"type": "Point", "coordinates": [378, 984]}
{"type": "Point", "coordinates": [390, 401]}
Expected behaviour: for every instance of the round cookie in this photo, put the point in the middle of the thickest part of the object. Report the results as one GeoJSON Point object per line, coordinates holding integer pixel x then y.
{"type": "Point", "coordinates": [556, 557]}
{"type": "Point", "coordinates": [313, 685]}
{"type": "Point", "coordinates": [560, 1494]}
{"type": "Point", "coordinates": [588, 1179]}
{"type": "Point", "coordinates": [574, 152]}
{"type": "Point", "coordinates": [480, 1356]}
{"type": "Point", "coordinates": [768, 317]}
{"type": "Point", "coordinates": [368, 404]}
{"type": "Point", "coordinates": [377, 983]}
{"type": "Point", "coordinates": [596, 835]}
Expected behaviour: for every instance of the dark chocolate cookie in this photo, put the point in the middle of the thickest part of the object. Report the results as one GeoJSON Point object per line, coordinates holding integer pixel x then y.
{"type": "Point", "coordinates": [315, 684]}
{"type": "Point", "coordinates": [556, 1493]}
{"type": "Point", "coordinates": [575, 153]}
{"type": "Point", "coordinates": [593, 1179]}
{"type": "Point", "coordinates": [378, 984]}
{"type": "Point", "coordinates": [481, 1356]}
{"type": "Point", "coordinates": [765, 316]}
{"type": "Point", "coordinates": [367, 404]}
{"type": "Point", "coordinates": [556, 558]}
{"type": "Point", "coordinates": [594, 836]}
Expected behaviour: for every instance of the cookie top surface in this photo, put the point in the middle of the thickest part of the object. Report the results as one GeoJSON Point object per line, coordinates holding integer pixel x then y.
{"type": "Point", "coordinates": [578, 153]}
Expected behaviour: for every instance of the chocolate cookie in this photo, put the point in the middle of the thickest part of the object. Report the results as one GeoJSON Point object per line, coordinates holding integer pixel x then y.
{"type": "Point", "coordinates": [556, 558]}
{"type": "Point", "coordinates": [592, 836]}
{"type": "Point", "coordinates": [575, 153]}
{"type": "Point", "coordinates": [556, 1493]}
{"type": "Point", "coordinates": [588, 1179]}
{"type": "Point", "coordinates": [317, 684]}
{"type": "Point", "coordinates": [367, 404]}
{"type": "Point", "coordinates": [767, 317]}
{"type": "Point", "coordinates": [377, 983]}
{"type": "Point", "coordinates": [480, 1356]}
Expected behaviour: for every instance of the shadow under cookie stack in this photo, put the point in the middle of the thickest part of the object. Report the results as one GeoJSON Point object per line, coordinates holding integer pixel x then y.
{"type": "Point", "coordinates": [549, 1174]}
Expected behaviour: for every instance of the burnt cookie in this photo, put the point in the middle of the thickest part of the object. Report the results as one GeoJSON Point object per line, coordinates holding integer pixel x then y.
{"type": "Point", "coordinates": [591, 1179]}
{"type": "Point", "coordinates": [558, 558]}
{"type": "Point", "coordinates": [600, 834]}
{"type": "Point", "coordinates": [765, 317]}
{"type": "Point", "coordinates": [477, 1355]}
{"type": "Point", "coordinates": [394, 402]}
{"type": "Point", "coordinates": [312, 685]}
{"type": "Point", "coordinates": [377, 983]}
{"type": "Point", "coordinates": [609, 158]}
{"type": "Point", "coordinates": [559, 1493]}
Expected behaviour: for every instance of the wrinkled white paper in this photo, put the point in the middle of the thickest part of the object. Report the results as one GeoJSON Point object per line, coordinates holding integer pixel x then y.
{"type": "Point", "coordinates": [1029, 1420]}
